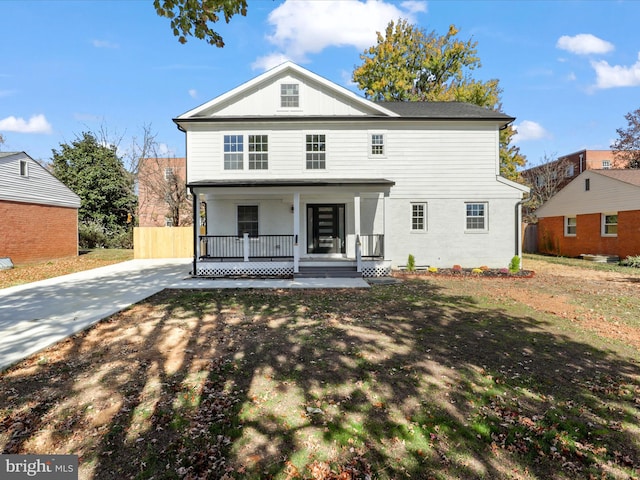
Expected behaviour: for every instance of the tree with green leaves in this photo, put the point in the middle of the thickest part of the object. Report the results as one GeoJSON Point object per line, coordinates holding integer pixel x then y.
{"type": "Point", "coordinates": [627, 146]}
{"type": "Point", "coordinates": [194, 17]}
{"type": "Point", "coordinates": [410, 64]}
{"type": "Point", "coordinates": [108, 201]}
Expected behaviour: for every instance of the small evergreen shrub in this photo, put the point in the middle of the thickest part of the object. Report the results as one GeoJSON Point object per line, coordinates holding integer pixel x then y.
{"type": "Point", "coordinates": [411, 263]}
{"type": "Point", "coordinates": [631, 261]}
{"type": "Point", "coordinates": [514, 265]}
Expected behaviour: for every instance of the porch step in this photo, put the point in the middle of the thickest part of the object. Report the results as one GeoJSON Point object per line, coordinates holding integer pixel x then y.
{"type": "Point", "coordinates": [328, 272]}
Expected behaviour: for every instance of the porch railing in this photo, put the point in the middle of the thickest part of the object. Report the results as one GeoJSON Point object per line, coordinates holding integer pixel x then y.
{"type": "Point", "coordinates": [372, 246]}
{"type": "Point", "coordinates": [232, 246]}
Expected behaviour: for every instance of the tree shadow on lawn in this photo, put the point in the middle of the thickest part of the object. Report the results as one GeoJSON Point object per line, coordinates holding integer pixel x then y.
{"type": "Point", "coordinates": [399, 381]}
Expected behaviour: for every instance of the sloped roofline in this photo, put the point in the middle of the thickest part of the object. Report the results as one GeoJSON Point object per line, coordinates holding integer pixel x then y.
{"type": "Point", "coordinates": [276, 71]}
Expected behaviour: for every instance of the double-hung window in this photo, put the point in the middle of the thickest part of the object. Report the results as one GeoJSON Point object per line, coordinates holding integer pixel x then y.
{"type": "Point", "coordinates": [609, 224]}
{"type": "Point", "coordinates": [316, 151]}
{"type": "Point", "coordinates": [418, 217]}
{"type": "Point", "coordinates": [258, 152]}
{"type": "Point", "coordinates": [233, 152]}
{"type": "Point", "coordinates": [377, 145]}
{"type": "Point", "coordinates": [248, 220]}
{"type": "Point", "coordinates": [476, 217]}
{"type": "Point", "coordinates": [570, 224]}
{"type": "Point", "coordinates": [289, 95]}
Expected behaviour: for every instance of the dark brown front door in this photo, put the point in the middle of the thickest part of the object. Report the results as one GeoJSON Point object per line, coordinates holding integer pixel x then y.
{"type": "Point", "coordinates": [325, 228]}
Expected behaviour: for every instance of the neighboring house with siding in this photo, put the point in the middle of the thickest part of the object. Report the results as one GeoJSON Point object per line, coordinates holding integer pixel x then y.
{"type": "Point", "coordinates": [39, 213]}
{"type": "Point", "coordinates": [598, 213]}
{"type": "Point", "coordinates": [295, 174]}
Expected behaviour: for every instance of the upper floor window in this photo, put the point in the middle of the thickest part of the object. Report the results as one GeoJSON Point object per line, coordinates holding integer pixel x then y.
{"type": "Point", "coordinates": [233, 152]}
{"type": "Point", "coordinates": [289, 95]}
{"type": "Point", "coordinates": [24, 168]}
{"type": "Point", "coordinates": [168, 173]}
{"type": "Point", "coordinates": [418, 217]}
{"type": "Point", "coordinates": [476, 216]}
{"type": "Point", "coordinates": [315, 148]}
{"type": "Point", "coordinates": [248, 220]}
{"type": "Point", "coordinates": [606, 164]}
{"type": "Point", "coordinates": [610, 224]}
{"type": "Point", "coordinates": [377, 144]}
{"type": "Point", "coordinates": [569, 171]}
{"type": "Point", "coordinates": [570, 225]}
{"type": "Point", "coordinates": [258, 152]}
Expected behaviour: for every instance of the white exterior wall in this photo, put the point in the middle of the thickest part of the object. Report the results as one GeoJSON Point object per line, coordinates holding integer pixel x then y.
{"type": "Point", "coordinates": [39, 186]}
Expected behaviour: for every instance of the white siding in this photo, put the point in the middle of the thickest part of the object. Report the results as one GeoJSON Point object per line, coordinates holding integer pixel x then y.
{"type": "Point", "coordinates": [39, 186]}
{"type": "Point", "coordinates": [264, 100]}
{"type": "Point", "coordinates": [605, 194]}
{"type": "Point", "coordinates": [445, 160]}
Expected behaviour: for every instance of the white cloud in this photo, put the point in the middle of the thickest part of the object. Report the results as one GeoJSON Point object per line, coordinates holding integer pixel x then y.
{"type": "Point", "coordinates": [6, 93]}
{"type": "Point", "coordinates": [104, 44]}
{"type": "Point", "coordinates": [36, 124]}
{"type": "Point", "coordinates": [528, 130]}
{"type": "Point", "coordinates": [193, 93]}
{"type": "Point", "coordinates": [308, 26]}
{"type": "Point", "coordinates": [414, 6]}
{"type": "Point", "coordinates": [584, 44]}
{"type": "Point", "coordinates": [611, 76]}
{"type": "Point", "coordinates": [269, 61]}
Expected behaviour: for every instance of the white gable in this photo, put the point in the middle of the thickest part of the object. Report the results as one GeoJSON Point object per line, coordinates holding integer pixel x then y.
{"type": "Point", "coordinates": [604, 194]}
{"type": "Point", "coordinates": [261, 97]}
{"type": "Point", "coordinates": [32, 183]}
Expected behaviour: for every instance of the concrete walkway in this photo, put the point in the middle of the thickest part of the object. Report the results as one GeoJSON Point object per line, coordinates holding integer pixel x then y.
{"type": "Point", "coordinates": [36, 315]}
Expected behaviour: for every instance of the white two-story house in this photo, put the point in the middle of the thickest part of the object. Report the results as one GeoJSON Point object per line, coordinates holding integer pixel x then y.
{"type": "Point", "coordinates": [294, 173]}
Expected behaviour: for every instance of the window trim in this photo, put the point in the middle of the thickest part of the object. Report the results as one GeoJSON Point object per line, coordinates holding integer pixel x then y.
{"type": "Point", "coordinates": [425, 224]}
{"type": "Point", "coordinates": [297, 96]}
{"type": "Point", "coordinates": [307, 152]}
{"type": "Point", "coordinates": [257, 222]}
{"type": "Point", "coordinates": [567, 225]}
{"type": "Point", "coordinates": [234, 152]}
{"type": "Point", "coordinates": [370, 145]}
{"type": "Point", "coordinates": [23, 168]}
{"type": "Point", "coordinates": [261, 152]}
{"type": "Point", "coordinates": [604, 224]}
{"type": "Point", "coordinates": [485, 217]}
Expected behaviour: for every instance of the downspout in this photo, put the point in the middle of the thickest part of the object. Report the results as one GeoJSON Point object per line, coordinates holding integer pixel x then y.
{"type": "Point", "coordinates": [196, 227]}
{"type": "Point", "coordinates": [519, 230]}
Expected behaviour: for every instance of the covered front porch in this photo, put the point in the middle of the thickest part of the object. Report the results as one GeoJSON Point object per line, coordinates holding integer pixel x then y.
{"type": "Point", "coordinates": [290, 228]}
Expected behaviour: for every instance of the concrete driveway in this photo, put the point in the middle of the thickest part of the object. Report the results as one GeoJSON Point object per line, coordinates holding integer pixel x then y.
{"type": "Point", "coordinates": [36, 315]}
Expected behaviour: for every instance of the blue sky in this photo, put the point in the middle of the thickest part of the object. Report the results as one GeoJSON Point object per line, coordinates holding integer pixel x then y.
{"type": "Point", "coordinates": [569, 70]}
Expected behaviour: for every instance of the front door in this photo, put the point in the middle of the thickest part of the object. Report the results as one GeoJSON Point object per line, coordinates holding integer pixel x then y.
{"type": "Point", "coordinates": [325, 228]}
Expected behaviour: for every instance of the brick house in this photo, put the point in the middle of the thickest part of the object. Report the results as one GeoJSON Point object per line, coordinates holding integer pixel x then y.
{"type": "Point", "coordinates": [39, 213]}
{"type": "Point", "coordinates": [574, 164]}
{"type": "Point", "coordinates": [163, 200]}
{"type": "Point", "coordinates": [598, 213]}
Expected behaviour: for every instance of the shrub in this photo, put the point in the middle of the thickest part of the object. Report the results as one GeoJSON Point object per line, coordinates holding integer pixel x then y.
{"type": "Point", "coordinates": [514, 265]}
{"type": "Point", "coordinates": [457, 268]}
{"type": "Point", "coordinates": [476, 271]}
{"type": "Point", "coordinates": [631, 261]}
{"type": "Point", "coordinates": [433, 269]}
{"type": "Point", "coordinates": [411, 263]}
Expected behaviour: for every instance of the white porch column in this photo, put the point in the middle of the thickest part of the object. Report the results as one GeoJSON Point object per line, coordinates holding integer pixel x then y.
{"type": "Point", "coordinates": [245, 242]}
{"type": "Point", "coordinates": [385, 211]}
{"type": "Point", "coordinates": [356, 221]}
{"type": "Point", "coordinates": [296, 232]}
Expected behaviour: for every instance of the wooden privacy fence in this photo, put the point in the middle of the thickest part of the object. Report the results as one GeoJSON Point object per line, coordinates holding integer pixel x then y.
{"type": "Point", "coordinates": [163, 242]}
